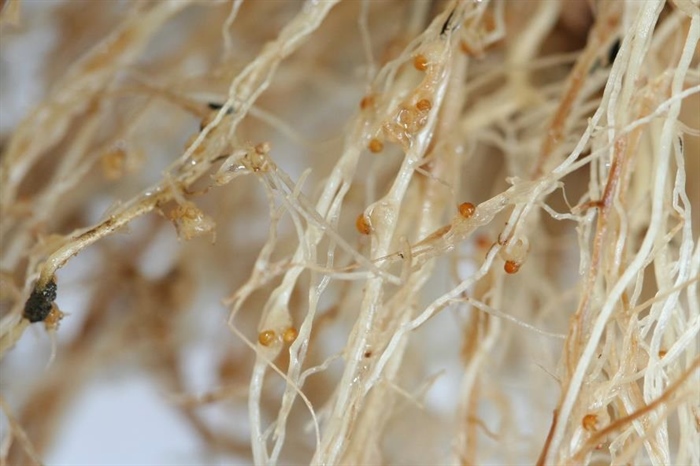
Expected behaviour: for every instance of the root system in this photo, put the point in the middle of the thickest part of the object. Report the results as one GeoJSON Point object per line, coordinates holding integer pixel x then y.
{"type": "Point", "coordinates": [358, 232]}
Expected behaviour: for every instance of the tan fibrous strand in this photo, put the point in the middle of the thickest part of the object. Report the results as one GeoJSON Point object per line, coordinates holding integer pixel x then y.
{"type": "Point", "coordinates": [199, 150]}
{"type": "Point", "coordinates": [211, 116]}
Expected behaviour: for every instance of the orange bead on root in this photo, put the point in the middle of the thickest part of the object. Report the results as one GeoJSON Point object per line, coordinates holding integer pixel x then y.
{"type": "Point", "coordinates": [420, 62]}
{"type": "Point", "coordinates": [466, 48]}
{"type": "Point", "coordinates": [362, 224]}
{"type": "Point", "coordinates": [469, 50]}
{"type": "Point", "coordinates": [367, 102]}
{"type": "Point", "coordinates": [267, 337]}
{"type": "Point", "coordinates": [424, 105]}
{"type": "Point", "coordinates": [467, 209]}
{"type": "Point", "coordinates": [375, 145]}
{"type": "Point", "coordinates": [590, 422]}
{"type": "Point", "coordinates": [482, 241]}
{"type": "Point", "coordinates": [290, 334]}
{"type": "Point", "coordinates": [511, 267]}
